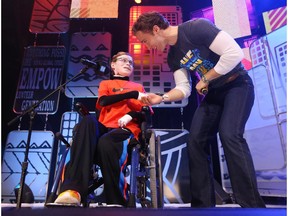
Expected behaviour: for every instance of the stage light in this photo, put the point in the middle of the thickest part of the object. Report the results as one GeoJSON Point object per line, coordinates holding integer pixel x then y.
{"type": "Point", "coordinates": [138, 1]}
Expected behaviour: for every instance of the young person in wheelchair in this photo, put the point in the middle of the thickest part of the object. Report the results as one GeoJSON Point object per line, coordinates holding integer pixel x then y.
{"type": "Point", "coordinates": [105, 140]}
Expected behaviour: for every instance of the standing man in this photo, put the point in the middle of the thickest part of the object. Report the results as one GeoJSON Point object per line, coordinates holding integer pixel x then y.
{"type": "Point", "coordinates": [199, 47]}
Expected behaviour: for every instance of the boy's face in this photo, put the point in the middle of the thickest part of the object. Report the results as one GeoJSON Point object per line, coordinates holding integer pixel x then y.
{"type": "Point", "coordinates": [123, 65]}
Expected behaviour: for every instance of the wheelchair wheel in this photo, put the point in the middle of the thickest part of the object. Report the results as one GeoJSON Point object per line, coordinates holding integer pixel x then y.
{"type": "Point", "coordinates": [155, 172]}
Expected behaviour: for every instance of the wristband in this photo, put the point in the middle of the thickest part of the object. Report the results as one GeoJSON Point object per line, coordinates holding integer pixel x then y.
{"type": "Point", "coordinates": [165, 96]}
{"type": "Point", "coordinates": [203, 78]}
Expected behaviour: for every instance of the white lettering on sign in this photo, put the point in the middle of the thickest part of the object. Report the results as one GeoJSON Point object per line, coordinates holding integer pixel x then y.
{"type": "Point", "coordinates": [40, 78]}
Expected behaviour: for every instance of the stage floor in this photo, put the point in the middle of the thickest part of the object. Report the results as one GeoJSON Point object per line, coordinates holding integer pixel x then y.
{"type": "Point", "coordinates": [167, 210]}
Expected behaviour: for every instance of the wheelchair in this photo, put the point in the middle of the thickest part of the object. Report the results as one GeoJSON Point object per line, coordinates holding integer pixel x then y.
{"type": "Point", "coordinates": [146, 182]}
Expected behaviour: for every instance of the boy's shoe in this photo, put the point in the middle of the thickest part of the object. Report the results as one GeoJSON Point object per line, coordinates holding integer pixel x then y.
{"type": "Point", "coordinates": [70, 197]}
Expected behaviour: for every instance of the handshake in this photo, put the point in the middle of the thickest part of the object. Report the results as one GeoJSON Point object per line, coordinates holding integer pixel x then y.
{"type": "Point", "coordinates": [149, 98]}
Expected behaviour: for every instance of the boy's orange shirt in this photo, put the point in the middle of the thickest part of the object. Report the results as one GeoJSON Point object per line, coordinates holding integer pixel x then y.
{"type": "Point", "coordinates": [109, 115]}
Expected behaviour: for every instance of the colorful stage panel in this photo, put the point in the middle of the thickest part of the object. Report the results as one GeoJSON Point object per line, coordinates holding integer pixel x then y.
{"type": "Point", "coordinates": [96, 47]}
{"type": "Point", "coordinates": [266, 129]}
{"type": "Point", "coordinates": [50, 16]}
{"type": "Point", "coordinates": [38, 163]}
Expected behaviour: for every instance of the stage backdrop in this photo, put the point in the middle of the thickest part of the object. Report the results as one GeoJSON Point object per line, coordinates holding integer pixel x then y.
{"type": "Point", "coordinates": [266, 128]}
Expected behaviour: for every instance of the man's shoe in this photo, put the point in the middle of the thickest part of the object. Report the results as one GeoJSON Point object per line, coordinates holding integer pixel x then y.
{"type": "Point", "coordinates": [69, 197]}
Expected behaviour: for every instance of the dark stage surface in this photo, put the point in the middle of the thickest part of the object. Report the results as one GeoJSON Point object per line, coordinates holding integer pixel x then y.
{"type": "Point", "coordinates": [10, 210]}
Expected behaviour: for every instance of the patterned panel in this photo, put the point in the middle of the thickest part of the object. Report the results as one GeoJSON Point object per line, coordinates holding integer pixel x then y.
{"type": "Point", "coordinates": [281, 55]}
{"type": "Point", "coordinates": [266, 139]}
{"type": "Point", "coordinates": [151, 68]}
{"type": "Point", "coordinates": [94, 46]}
{"type": "Point", "coordinates": [271, 51]}
{"type": "Point", "coordinates": [50, 16]}
{"type": "Point", "coordinates": [38, 163]}
{"type": "Point", "coordinates": [68, 121]}
{"type": "Point", "coordinates": [275, 18]}
{"type": "Point", "coordinates": [175, 169]}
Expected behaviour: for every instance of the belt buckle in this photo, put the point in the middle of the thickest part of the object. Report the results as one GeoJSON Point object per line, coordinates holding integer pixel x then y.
{"type": "Point", "coordinates": [233, 77]}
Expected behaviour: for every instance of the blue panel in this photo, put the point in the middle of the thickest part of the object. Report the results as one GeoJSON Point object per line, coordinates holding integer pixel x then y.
{"type": "Point", "coordinates": [38, 163]}
{"type": "Point", "coordinates": [94, 46]}
{"type": "Point", "coordinates": [174, 165]}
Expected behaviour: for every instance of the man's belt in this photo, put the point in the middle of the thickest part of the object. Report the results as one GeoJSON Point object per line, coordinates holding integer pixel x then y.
{"type": "Point", "coordinates": [233, 77]}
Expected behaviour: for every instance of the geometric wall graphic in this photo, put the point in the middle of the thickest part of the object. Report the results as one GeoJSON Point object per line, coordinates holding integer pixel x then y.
{"type": "Point", "coordinates": [95, 47]}
{"type": "Point", "coordinates": [266, 136]}
{"type": "Point", "coordinates": [151, 67]}
{"type": "Point", "coordinates": [175, 167]}
{"type": "Point", "coordinates": [38, 163]}
{"type": "Point", "coordinates": [266, 128]}
{"type": "Point", "coordinates": [271, 52]}
{"type": "Point", "coordinates": [69, 120]}
{"type": "Point", "coordinates": [50, 16]}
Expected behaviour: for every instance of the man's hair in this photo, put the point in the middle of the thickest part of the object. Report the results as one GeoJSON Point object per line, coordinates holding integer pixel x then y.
{"type": "Point", "coordinates": [146, 21]}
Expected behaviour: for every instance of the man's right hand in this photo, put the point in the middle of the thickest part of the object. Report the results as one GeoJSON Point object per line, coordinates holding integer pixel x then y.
{"type": "Point", "coordinates": [152, 99]}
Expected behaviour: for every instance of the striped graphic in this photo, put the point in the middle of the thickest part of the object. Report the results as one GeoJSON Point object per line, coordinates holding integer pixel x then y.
{"type": "Point", "coordinates": [94, 9]}
{"type": "Point", "coordinates": [274, 19]}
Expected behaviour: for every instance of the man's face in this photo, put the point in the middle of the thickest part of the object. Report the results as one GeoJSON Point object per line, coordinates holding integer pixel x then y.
{"type": "Point", "coordinates": [152, 40]}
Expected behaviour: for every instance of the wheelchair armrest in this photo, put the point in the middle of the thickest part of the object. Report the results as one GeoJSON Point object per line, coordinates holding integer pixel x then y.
{"type": "Point", "coordinates": [147, 113]}
{"type": "Point", "coordinates": [146, 122]}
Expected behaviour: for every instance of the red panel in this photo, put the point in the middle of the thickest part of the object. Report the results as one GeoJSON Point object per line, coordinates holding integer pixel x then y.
{"type": "Point", "coordinates": [50, 16]}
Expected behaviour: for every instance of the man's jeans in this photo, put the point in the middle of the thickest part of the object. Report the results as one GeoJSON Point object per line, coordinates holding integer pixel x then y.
{"type": "Point", "coordinates": [224, 110]}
